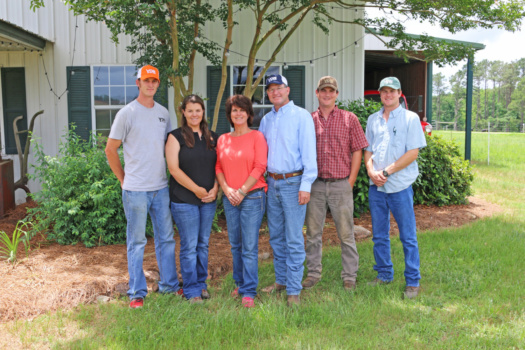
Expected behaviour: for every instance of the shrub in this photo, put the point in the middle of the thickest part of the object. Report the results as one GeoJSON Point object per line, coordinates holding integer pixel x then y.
{"type": "Point", "coordinates": [362, 109]}
{"type": "Point", "coordinates": [81, 199]}
{"type": "Point", "coordinates": [445, 178]}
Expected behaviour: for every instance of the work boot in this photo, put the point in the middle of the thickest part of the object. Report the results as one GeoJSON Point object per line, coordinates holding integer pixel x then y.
{"type": "Point", "coordinates": [276, 287]}
{"type": "Point", "coordinates": [309, 282]}
{"type": "Point", "coordinates": [293, 300]}
{"type": "Point", "coordinates": [349, 286]}
{"type": "Point", "coordinates": [378, 282]}
{"type": "Point", "coordinates": [411, 292]}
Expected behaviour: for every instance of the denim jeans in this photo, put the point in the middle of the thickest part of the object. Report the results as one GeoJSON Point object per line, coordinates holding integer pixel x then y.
{"type": "Point", "coordinates": [244, 222]}
{"type": "Point", "coordinates": [194, 224]}
{"type": "Point", "coordinates": [137, 204]}
{"type": "Point", "coordinates": [401, 204]}
{"type": "Point", "coordinates": [285, 221]}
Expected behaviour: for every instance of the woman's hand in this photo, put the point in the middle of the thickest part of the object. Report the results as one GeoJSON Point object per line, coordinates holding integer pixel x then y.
{"type": "Point", "coordinates": [234, 196]}
{"type": "Point", "coordinates": [211, 196]}
{"type": "Point", "coordinates": [201, 192]}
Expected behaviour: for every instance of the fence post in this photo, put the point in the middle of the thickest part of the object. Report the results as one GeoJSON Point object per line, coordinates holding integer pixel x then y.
{"type": "Point", "coordinates": [488, 146]}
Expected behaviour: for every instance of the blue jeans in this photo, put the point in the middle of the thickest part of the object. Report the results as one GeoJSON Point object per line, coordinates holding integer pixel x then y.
{"type": "Point", "coordinates": [401, 204]}
{"type": "Point", "coordinates": [194, 224]}
{"type": "Point", "coordinates": [137, 204]}
{"type": "Point", "coordinates": [285, 221]}
{"type": "Point", "coordinates": [244, 222]}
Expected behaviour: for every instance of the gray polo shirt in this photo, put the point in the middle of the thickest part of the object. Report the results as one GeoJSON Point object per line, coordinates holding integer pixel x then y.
{"type": "Point", "coordinates": [143, 134]}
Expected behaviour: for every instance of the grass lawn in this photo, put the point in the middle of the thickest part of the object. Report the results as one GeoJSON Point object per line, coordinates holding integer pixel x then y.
{"type": "Point", "coordinates": [473, 287]}
{"type": "Point", "coordinates": [502, 180]}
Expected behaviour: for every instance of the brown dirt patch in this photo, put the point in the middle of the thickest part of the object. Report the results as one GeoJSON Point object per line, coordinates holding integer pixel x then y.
{"type": "Point", "coordinates": [60, 277]}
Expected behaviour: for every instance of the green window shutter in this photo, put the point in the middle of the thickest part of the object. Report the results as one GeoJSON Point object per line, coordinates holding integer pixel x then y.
{"type": "Point", "coordinates": [79, 99]}
{"type": "Point", "coordinates": [296, 81]}
{"type": "Point", "coordinates": [213, 83]}
{"type": "Point", "coordinates": [161, 96]}
{"type": "Point", "coordinates": [14, 105]}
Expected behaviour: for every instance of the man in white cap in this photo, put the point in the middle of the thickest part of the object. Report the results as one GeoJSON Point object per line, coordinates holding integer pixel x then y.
{"type": "Point", "coordinates": [395, 136]}
{"type": "Point", "coordinates": [340, 141]}
{"type": "Point", "coordinates": [292, 168]}
{"type": "Point", "coordinates": [141, 127]}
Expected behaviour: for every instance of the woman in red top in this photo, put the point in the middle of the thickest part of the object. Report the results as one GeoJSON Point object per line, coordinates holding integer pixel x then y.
{"type": "Point", "coordinates": [241, 163]}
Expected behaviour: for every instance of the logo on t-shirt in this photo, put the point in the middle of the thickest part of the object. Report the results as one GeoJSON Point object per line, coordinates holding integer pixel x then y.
{"type": "Point", "coordinates": [162, 120]}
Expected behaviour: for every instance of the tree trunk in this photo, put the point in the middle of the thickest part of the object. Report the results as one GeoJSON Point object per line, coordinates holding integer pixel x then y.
{"type": "Point", "coordinates": [224, 72]}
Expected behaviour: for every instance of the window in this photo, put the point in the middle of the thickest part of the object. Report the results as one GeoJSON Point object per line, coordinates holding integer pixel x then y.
{"type": "Point", "coordinates": [235, 85]}
{"type": "Point", "coordinates": [113, 88]}
{"type": "Point", "coordinates": [261, 104]}
{"type": "Point", "coordinates": [97, 93]}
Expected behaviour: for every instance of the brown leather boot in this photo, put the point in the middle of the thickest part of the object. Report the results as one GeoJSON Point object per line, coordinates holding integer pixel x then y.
{"type": "Point", "coordinates": [293, 300]}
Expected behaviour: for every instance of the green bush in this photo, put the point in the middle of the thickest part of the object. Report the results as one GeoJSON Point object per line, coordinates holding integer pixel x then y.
{"type": "Point", "coordinates": [362, 109]}
{"type": "Point", "coordinates": [81, 199]}
{"type": "Point", "coordinates": [445, 178]}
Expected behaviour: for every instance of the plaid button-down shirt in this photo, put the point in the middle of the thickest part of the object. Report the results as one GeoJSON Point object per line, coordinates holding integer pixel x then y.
{"type": "Point", "coordinates": [338, 136]}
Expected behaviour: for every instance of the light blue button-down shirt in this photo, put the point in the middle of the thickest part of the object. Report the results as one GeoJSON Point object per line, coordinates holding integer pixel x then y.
{"type": "Point", "coordinates": [290, 135]}
{"type": "Point", "coordinates": [388, 141]}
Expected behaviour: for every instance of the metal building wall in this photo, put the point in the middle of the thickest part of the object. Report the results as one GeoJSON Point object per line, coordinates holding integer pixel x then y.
{"type": "Point", "coordinates": [72, 41]}
{"type": "Point", "coordinates": [307, 43]}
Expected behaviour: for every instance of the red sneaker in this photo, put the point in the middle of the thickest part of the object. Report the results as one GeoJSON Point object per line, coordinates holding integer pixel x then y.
{"type": "Point", "coordinates": [136, 303]}
{"type": "Point", "coordinates": [247, 302]}
{"type": "Point", "coordinates": [180, 292]}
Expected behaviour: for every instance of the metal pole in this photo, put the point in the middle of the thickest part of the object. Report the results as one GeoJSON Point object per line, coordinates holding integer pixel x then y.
{"type": "Point", "coordinates": [468, 122]}
{"type": "Point", "coordinates": [430, 78]}
{"type": "Point", "coordinates": [488, 146]}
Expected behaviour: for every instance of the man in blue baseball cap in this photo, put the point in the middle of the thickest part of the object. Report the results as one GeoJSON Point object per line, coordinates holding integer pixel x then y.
{"type": "Point", "coordinates": [394, 136]}
{"type": "Point", "coordinates": [292, 168]}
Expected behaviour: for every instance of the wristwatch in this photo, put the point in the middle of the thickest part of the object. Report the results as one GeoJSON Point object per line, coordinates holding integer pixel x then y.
{"type": "Point", "coordinates": [385, 173]}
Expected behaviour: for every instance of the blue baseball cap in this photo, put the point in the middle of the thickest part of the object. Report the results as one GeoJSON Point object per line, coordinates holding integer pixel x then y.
{"type": "Point", "coordinates": [276, 79]}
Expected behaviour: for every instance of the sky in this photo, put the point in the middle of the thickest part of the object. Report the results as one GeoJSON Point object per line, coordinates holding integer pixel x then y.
{"type": "Point", "coordinates": [499, 44]}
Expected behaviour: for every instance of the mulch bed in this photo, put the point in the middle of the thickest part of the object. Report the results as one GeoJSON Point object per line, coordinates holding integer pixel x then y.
{"type": "Point", "coordinates": [56, 277]}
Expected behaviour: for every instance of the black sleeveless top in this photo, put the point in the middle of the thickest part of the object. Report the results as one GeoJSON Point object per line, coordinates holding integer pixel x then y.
{"type": "Point", "coordinates": [198, 163]}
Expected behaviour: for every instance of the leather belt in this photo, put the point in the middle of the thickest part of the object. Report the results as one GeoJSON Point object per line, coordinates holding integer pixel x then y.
{"type": "Point", "coordinates": [254, 191]}
{"type": "Point", "coordinates": [285, 176]}
{"type": "Point", "coordinates": [331, 180]}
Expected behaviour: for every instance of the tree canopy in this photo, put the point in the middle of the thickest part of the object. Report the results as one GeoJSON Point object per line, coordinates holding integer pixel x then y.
{"type": "Point", "coordinates": [167, 32]}
{"type": "Point", "coordinates": [498, 95]}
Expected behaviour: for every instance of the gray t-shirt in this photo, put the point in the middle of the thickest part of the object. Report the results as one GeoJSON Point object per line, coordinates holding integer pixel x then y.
{"type": "Point", "coordinates": [143, 133]}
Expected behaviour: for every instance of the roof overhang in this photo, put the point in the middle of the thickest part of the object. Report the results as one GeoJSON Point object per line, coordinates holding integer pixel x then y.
{"type": "Point", "coordinates": [13, 38]}
{"type": "Point", "coordinates": [475, 46]}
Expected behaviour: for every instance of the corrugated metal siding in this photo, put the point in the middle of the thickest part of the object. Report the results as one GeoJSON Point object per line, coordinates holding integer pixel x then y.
{"type": "Point", "coordinates": [41, 22]}
{"type": "Point", "coordinates": [93, 46]}
{"type": "Point", "coordinates": [307, 43]}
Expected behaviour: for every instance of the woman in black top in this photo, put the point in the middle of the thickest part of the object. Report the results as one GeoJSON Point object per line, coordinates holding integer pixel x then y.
{"type": "Point", "coordinates": [191, 157]}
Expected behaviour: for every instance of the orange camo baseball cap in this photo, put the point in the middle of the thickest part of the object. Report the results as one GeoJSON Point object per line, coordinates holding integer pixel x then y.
{"type": "Point", "coordinates": [148, 72]}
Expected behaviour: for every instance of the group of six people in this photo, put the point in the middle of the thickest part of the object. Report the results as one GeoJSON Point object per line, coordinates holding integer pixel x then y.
{"type": "Point", "coordinates": [311, 162]}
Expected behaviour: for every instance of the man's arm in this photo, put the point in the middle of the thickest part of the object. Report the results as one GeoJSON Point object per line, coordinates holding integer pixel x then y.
{"type": "Point", "coordinates": [308, 149]}
{"type": "Point", "coordinates": [377, 177]}
{"type": "Point", "coordinates": [354, 167]}
{"type": "Point", "coordinates": [404, 161]}
{"type": "Point", "coordinates": [114, 160]}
